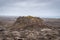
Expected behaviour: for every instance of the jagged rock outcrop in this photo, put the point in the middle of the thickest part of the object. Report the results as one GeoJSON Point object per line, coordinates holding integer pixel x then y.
{"type": "Point", "coordinates": [28, 21]}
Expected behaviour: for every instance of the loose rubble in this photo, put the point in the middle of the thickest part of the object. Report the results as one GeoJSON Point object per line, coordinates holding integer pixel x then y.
{"type": "Point", "coordinates": [29, 28]}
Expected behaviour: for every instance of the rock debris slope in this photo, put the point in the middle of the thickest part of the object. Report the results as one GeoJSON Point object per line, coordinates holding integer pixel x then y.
{"type": "Point", "coordinates": [31, 28]}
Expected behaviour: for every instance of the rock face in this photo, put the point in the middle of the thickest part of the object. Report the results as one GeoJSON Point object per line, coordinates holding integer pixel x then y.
{"type": "Point", "coordinates": [30, 28]}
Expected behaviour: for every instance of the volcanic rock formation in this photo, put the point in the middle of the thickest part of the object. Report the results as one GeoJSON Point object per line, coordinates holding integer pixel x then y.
{"type": "Point", "coordinates": [28, 21]}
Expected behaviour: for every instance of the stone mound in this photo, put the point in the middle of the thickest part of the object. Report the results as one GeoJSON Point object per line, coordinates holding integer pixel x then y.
{"type": "Point", "coordinates": [29, 28]}
{"type": "Point", "coordinates": [28, 21]}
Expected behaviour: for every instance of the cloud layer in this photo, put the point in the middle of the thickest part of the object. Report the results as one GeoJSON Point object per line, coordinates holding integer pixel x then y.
{"type": "Point", "coordinates": [42, 8]}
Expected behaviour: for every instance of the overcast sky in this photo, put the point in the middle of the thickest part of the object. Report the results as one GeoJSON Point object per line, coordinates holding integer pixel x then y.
{"type": "Point", "coordinates": [41, 8]}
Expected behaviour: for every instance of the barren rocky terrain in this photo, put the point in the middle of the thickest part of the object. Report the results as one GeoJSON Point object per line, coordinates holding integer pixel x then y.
{"type": "Point", "coordinates": [29, 28]}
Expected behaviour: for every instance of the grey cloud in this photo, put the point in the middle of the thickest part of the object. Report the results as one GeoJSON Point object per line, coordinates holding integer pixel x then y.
{"type": "Point", "coordinates": [30, 7]}
{"type": "Point", "coordinates": [5, 2]}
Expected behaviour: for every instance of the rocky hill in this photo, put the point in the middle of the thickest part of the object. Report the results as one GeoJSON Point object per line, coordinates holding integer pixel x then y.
{"type": "Point", "coordinates": [28, 21]}
{"type": "Point", "coordinates": [29, 28]}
